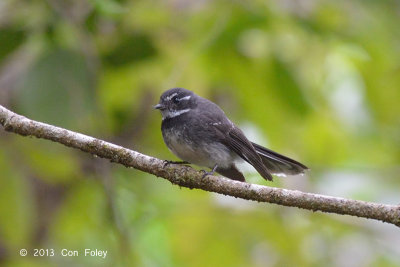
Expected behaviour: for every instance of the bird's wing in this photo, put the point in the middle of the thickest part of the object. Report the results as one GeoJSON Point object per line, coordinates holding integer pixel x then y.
{"type": "Point", "coordinates": [237, 141]}
{"type": "Point", "coordinates": [230, 135]}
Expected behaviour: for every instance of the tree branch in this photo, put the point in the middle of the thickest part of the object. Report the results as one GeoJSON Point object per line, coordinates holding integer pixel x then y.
{"type": "Point", "coordinates": [188, 177]}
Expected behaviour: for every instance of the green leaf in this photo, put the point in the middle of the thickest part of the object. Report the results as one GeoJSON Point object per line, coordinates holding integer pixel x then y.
{"type": "Point", "coordinates": [58, 89]}
{"type": "Point", "coordinates": [288, 88]}
{"type": "Point", "coordinates": [132, 48]}
{"type": "Point", "coordinates": [10, 39]}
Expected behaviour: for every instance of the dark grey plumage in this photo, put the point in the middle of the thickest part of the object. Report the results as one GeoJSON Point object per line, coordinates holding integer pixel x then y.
{"type": "Point", "coordinates": [198, 131]}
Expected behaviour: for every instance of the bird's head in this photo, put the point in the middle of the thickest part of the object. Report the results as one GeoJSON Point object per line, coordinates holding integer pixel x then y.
{"type": "Point", "coordinates": [176, 101]}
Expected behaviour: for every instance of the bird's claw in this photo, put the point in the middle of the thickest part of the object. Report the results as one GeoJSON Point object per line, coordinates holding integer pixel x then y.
{"type": "Point", "coordinates": [167, 162]}
{"type": "Point", "coordinates": [205, 173]}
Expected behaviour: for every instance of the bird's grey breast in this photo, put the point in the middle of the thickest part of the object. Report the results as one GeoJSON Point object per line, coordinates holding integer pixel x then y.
{"type": "Point", "coordinates": [195, 141]}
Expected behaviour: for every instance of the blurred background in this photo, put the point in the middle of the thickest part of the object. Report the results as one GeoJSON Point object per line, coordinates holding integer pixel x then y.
{"type": "Point", "coordinates": [316, 80]}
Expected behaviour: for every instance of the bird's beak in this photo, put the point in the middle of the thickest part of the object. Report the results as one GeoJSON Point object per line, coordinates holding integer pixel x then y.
{"type": "Point", "coordinates": [159, 106]}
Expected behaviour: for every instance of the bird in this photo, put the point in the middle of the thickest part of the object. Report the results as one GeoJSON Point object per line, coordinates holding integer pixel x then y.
{"type": "Point", "coordinates": [197, 131]}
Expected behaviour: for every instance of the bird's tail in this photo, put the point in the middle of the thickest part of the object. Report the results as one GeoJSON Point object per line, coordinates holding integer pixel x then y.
{"type": "Point", "coordinates": [278, 164]}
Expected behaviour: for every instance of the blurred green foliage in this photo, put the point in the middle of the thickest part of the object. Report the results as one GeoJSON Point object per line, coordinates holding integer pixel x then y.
{"type": "Point", "coordinates": [316, 80]}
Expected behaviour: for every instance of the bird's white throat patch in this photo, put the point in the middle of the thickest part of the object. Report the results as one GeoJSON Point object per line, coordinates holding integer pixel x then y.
{"type": "Point", "coordinates": [167, 114]}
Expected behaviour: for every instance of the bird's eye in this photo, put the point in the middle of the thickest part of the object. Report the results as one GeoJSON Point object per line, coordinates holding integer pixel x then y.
{"type": "Point", "coordinates": [175, 100]}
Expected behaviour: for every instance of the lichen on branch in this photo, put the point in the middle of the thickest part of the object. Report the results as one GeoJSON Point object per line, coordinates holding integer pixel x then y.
{"type": "Point", "coordinates": [185, 176]}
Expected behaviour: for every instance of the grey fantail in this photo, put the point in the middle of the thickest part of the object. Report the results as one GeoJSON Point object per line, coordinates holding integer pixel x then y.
{"type": "Point", "coordinates": [198, 131]}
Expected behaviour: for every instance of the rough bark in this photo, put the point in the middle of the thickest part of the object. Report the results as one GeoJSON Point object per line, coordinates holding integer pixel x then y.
{"type": "Point", "coordinates": [188, 177]}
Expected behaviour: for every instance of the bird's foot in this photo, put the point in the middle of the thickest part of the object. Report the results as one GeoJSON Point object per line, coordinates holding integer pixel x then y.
{"type": "Point", "coordinates": [205, 173]}
{"type": "Point", "coordinates": [167, 162]}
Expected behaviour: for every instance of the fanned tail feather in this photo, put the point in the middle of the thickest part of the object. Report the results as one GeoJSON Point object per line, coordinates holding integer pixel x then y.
{"type": "Point", "coordinates": [278, 164]}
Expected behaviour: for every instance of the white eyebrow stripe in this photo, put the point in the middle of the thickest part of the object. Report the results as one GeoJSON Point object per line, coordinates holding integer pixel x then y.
{"type": "Point", "coordinates": [171, 96]}
{"type": "Point", "coordinates": [185, 98]}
